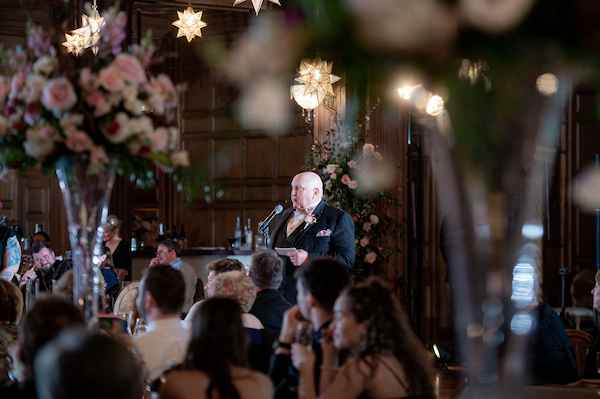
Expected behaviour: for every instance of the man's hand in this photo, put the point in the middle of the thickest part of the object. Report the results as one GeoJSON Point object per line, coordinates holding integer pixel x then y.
{"type": "Point", "coordinates": [291, 318]}
{"type": "Point", "coordinates": [28, 275]}
{"type": "Point", "coordinates": [299, 257]}
{"type": "Point", "coordinates": [154, 262]}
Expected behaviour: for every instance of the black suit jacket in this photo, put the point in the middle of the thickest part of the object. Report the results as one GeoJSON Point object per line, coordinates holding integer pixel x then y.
{"type": "Point", "coordinates": [269, 308]}
{"type": "Point", "coordinates": [338, 244]}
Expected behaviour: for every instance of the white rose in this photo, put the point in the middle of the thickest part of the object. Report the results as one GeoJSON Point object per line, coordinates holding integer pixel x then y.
{"type": "Point", "coordinates": [71, 123]}
{"type": "Point", "coordinates": [180, 158]}
{"type": "Point", "coordinates": [160, 140]}
{"type": "Point", "coordinates": [368, 149]}
{"type": "Point", "coordinates": [45, 65]}
{"type": "Point", "coordinates": [34, 84]}
{"type": "Point", "coordinates": [331, 168]}
{"type": "Point", "coordinates": [374, 219]}
{"type": "Point", "coordinates": [39, 143]}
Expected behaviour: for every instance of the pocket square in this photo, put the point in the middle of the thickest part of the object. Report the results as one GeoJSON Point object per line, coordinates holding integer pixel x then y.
{"type": "Point", "coordinates": [324, 233]}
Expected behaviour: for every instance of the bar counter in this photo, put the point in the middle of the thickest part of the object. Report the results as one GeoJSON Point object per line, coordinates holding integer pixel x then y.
{"type": "Point", "coordinates": [198, 258]}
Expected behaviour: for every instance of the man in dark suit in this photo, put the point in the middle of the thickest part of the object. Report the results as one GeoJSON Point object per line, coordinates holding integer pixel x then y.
{"type": "Point", "coordinates": [313, 228]}
{"type": "Point", "coordinates": [265, 272]}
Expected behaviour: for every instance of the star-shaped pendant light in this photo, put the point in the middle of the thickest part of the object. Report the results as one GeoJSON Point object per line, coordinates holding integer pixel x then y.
{"type": "Point", "coordinates": [317, 78]}
{"type": "Point", "coordinates": [189, 23]}
{"type": "Point", "coordinates": [257, 4]}
{"type": "Point", "coordinates": [74, 44]}
{"type": "Point", "coordinates": [90, 29]}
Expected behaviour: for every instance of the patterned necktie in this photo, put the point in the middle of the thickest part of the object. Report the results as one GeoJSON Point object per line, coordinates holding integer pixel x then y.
{"type": "Point", "coordinates": [295, 222]}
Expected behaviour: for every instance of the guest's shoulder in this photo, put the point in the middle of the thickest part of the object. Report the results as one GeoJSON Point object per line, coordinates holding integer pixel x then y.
{"type": "Point", "coordinates": [257, 384]}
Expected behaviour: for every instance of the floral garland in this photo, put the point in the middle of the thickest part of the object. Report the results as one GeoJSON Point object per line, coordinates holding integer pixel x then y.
{"type": "Point", "coordinates": [356, 181]}
{"type": "Point", "coordinates": [101, 107]}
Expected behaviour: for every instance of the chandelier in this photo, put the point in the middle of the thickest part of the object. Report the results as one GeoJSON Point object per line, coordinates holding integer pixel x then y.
{"type": "Point", "coordinates": [316, 82]}
{"type": "Point", "coordinates": [189, 23]}
{"type": "Point", "coordinates": [88, 35]}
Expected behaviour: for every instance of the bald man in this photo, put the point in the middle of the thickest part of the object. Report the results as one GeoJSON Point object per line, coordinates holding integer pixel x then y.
{"type": "Point", "coordinates": [313, 228]}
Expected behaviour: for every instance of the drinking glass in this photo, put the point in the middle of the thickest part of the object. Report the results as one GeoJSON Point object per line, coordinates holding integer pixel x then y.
{"type": "Point", "coordinates": [140, 327]}
{"type": "Point", "coordinates": [32, 288]}
{"type": "Point", "coordinates": [304, 335]}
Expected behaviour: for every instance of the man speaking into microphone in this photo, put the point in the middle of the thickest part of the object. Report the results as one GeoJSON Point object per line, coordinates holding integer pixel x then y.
{"type": "Point", "coordinates": [313, 228]}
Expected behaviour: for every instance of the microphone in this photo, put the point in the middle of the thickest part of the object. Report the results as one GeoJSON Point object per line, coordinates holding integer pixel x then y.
{"type": "Point", "coordinates": [262, 226]}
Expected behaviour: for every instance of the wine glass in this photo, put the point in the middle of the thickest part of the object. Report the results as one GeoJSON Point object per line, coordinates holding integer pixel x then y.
{"type": "Point", "coordinates": [140, 327]}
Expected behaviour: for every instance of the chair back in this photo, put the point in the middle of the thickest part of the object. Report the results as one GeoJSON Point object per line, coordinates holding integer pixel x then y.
{"type": "Point", "coordinates": [580, 341]}
{"type": "Point", "coordinates": [125, 301]}
{"type": "Point", "coordinates": [199, 294]}
{"type": "Point", "coordinates": [121, 274]}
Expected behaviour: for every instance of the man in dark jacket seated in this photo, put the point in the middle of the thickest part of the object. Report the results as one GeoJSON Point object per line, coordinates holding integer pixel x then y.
{"type": "Point", "coordinates": [47, 268]}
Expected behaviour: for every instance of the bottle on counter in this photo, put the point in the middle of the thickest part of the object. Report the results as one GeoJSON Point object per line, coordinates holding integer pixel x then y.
{"type": "Point", "coordinates": [175, 237]}
{"type": "Point", "coordinates": [248, 236]}
{"type": "Point", "coordinates": [182, 237]}
{"type": "Point", "coordinates": [168, 235]}
{"type": "Point", "coordinates": [38, 228]}
{"type": "Point", "coordinates": [161, 233]}
{"type": "Point", "coordinates": [259, 240]}
{"type": "Point", "coordinates": [238, 233]}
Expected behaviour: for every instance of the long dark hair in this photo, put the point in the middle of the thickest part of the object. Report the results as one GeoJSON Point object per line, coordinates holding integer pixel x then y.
{"type": "Point", "coordinates": [108, 262]}
{"type": "Point", "coordinates": [219, 341]}
{"type": "Point", "coordinates": [389, 332]}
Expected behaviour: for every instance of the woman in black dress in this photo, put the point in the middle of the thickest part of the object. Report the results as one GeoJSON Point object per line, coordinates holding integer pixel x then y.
{"type": "Point", "coordinates": [119, 248]}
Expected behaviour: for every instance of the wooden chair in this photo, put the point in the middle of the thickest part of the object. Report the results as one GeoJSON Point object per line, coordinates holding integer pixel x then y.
{"type": "Point", "coordinates": [580, 341]}
{"type": "Point", "coordinates": [121, 274]}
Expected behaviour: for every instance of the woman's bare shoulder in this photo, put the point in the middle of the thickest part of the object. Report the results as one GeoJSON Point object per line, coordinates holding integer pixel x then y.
{"type": "Point", "coordinates": [253, 381]}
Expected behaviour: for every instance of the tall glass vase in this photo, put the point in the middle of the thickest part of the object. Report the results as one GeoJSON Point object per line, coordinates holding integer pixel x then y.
{"type": "Point", "coordinates": [86, 192]}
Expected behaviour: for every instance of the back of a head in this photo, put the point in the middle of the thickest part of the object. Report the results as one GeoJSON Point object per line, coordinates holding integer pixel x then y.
{"type": "Point", "coordinates": [234, 285]}
{"type": "Point", "coordinates": [324, 278]}
{"type": "Point", "coordinates": [218, 335]}
{"type": "Point", "coordinates": [265, 268]}
{"type": "Point", "coordinates": [79, 364]}
{"type": "Point", "coordinates": [11, 302]}
{"type": "Point", "coordinates": [225, 265]}
{"type": "Point", "coordinates": [47, 318]}
{"type": "Point", "coordinates": [167, 286]}
{"type": "Point", "coordinates": [389, 331]}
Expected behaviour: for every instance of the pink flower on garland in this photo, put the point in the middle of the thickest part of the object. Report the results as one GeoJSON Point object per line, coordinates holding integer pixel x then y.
{"type": "Point", "coordinates": [346, 179]}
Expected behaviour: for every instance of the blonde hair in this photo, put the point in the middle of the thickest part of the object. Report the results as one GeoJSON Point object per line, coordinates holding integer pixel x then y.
{"type": "Point", "coordinates": [112, 223]}
{"type": "Point", "coordinates": [234, 285]}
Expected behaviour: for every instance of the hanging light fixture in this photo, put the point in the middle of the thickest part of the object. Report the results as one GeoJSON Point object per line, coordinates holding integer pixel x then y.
{"type": "Point", "coordinates": [316, 79]}
{"type": "Point", "coordinates": [74, 44]}
{"type": "Point", "coordinates": [189, 23]}
{"type": "Point", "coordinates": [257, 4]}
{"type": "Point", "coordinates": [90, 29]}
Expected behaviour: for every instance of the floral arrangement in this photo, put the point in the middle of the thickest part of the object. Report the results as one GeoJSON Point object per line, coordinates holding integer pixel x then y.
{"type": "Point", "coordinates": [356, 180]}
{"type": "Point", "coordinates": [100, 107]}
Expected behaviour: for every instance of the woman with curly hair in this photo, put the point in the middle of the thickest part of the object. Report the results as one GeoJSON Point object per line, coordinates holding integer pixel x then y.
{"type": "Point", "coordinates": [388, 360]}
{"type": "Point", "coordinates": [216, 364]}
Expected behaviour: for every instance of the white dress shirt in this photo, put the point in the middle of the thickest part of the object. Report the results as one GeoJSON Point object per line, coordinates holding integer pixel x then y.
{"type": "Point", "coordinates": [163, 345]}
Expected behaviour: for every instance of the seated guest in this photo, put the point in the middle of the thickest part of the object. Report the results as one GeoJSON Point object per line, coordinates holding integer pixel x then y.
{"type": "Point", "coordinates": [237, 286]}
{"type": "Point", "coordinates": [389, 360]}
{"type": "Point", "coordinates": [159, 301]}
{"type": "Point", "coordinates": [219, 266]}
{"type": "Point", "coordinates": [168, 253]}
{"type": "Point", "coordinates": [215, 268]}
{"type": "Point", "coordinates": [41, 236]}
{"type": "Point", "coordinates": [49, 316]}
{"type": "Point", "coordinates": [318, 284]}
{"type": "Point", "coordinates": [265, 272]}
{"type": "Point", "coordinates": [11, 308]}
{"type": "Point", "coordinates": [81, 364]}
{"type": "Point", "coordinates": [216, 365]}
{"type": "Point", "coordinates": [10, 255]}
{"type": "Point", "coordinates": [119, 248]}
{"type": "Point", "coordinates": [64, 286]}
{"type": "Point", "coordinates": [109, 272]}
{"type": "Point", "coordinates": [47, 268]}
{"type": "Point", "coordinates": [590, 370]}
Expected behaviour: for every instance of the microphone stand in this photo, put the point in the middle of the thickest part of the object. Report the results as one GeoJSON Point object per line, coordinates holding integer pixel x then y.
{"type": "Point", "coordinates": [563, 314]}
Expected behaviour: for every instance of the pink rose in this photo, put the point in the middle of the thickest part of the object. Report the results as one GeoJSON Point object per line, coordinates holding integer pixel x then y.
{"type": "Point", "coordinates": [370, 257]}
{"type": "Point", "coordinates": [101, 106]}
{"type": "Point", "coordinates": [79, 141]}
{"type": "Point", "coordinates": [333, 176]}
{"type": "Point", "coordinates": [352, 184]}
{"type": "Point", "coordinates": [111, 79]}
{"type": "Point", "coordinates": [163, 87]}
{"type": "Point", "coordinates": [86, 79]}
{"type": "Point", "coordinates": [59, 96]}
{"type": "Point", "coordinates": [374, 219]}
{"type": "Point", "coordinates": [16, 83]}
{"type": "Point", "coordinates": [364, 242]}
{"type": "Point", "coordinates": [367, 227]}
{"type": "Point", "coordinates": [130, 69]}
{"type": "Point", "coordinates": [345, 179]}
{"type": "Point", "coordinates": [160, 140]}
{"type": "Point", "coordinates": [368, 149]}
{"type": "Point", "coordinates": [352, 164]}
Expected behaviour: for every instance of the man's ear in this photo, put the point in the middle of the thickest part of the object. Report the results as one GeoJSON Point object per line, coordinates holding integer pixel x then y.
{"type": "Point", "coordinates": [148, 300]}
{"type": "Point", "coordinates": [280, 279]}
{"type": "Point", "coordinates": [311, 300]}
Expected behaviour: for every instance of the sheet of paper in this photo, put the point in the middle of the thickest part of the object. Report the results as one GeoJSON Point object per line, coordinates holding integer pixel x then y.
{"type": "Point", "coordinates": [285, 251]}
